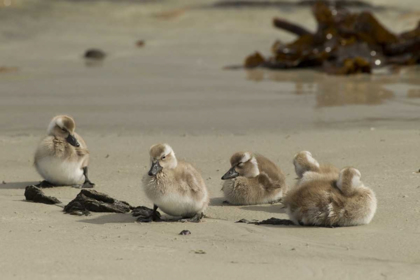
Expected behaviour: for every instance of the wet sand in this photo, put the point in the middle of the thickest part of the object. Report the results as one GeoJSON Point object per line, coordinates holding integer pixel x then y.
{"type": "Point", "coordinates": [174, 90]}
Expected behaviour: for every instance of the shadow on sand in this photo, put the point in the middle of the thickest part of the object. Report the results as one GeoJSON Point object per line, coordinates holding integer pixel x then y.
{"type": "Point", "coordinates": [112, 218]}
{"type": "Point", "coordinates": [17, 185]}
{"type": "Point", "coordinates": [218, 201]}
{"type": "Point", "coordinates": [270, 208]}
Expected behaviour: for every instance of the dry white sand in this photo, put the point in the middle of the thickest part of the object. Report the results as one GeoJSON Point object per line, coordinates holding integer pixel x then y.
{"type": "Point", "coordinates": [174, 90]}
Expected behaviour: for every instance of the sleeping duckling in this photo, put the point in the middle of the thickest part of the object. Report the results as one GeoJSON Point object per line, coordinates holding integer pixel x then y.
{"type": "Point", "coordinates": [62, 157]}
{"type": "Point", "coordinates": [305, 164]}
{"type": "Point", "coordinates": [175, 187]}
{"type": "Point", "coordinates": [253, 179]}
{"type": "Point", "coordinates": [331, 199]}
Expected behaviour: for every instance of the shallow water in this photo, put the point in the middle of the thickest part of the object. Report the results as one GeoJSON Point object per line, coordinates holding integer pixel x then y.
{"type": "Point", "coordinates": [176, 82]}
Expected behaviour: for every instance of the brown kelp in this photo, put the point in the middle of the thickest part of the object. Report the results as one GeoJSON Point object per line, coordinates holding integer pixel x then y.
{"type": "Point", "coordinates": [344, 43]}
{"type": "Point", "coordinates": [90, 200]}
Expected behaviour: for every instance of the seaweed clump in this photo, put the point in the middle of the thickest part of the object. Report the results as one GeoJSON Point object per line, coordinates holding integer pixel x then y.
{"type": "Point", "coordinates": [271, 221]}
{"type": "Point", "coordinates": [90, 200]}
{"type": "Point", "coordinates": [344, 43]}
{"type": "Point", "coordinates": [35, 194]}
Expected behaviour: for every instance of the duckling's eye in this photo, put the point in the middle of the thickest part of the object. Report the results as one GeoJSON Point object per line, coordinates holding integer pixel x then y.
{"type": "Point", "coordinates": [163, 158]}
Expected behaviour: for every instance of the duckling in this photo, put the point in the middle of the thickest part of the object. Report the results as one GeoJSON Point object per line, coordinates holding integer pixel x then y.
{"type": "Point", "coordinates": [331, 199]}
{"type": "Point", "coordinates": [308, 168]}
{"type": "Point", "coordinates": [253, 179]}
{"type": "Point", "coordinates": [62, 157]}
{"type": "Point", "coordinates": [174, 186]}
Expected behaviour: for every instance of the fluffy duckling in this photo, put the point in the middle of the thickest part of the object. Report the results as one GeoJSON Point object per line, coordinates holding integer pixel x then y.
{"type": "Point", "coordinates": [174, 186]}
{"type": "Point", "coordinates": [331, 199]}
{"type": "Point", "coordinates": [306, 165]}
{"type": "Point", "coordinates": [253, 179]}
{"type": "Point", "coordinates": [62, 157]}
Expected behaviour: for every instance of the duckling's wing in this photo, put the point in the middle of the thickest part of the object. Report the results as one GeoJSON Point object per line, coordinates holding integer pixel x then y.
{"type": "Point", "coordinates": [267, 183]}
{"type": "Point", "coordinates": [51, 146]}
{"type": "Point", "coordinates": [192, 182]}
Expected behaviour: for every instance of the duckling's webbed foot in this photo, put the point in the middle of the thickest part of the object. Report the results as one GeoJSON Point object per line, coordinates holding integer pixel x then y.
{"type": "Point", "coordinates": [45, 184]}
{"type": "Point", "coordinates": [276, 201]}
{"type": "Point", "coordinates": [196, 219]}
{"type": "Point", "coordinates": [87, 183]}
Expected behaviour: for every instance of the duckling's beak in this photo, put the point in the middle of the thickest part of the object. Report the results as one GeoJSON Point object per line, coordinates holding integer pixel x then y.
{"type": "Point", "coordinates": [72, 140]}
{"type": "Point", "coordinates": [155, 168]}
{"type": "Point", "coordinates": [230, 174]}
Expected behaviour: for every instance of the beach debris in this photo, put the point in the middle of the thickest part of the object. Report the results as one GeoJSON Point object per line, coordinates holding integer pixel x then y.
{"type": "Point", "coordinates": [35, 194]}
{"type": "Point", "coordinates": [91, 200]}
{"type": "Point", "coordinates": [245, 221]}
{"type": "Point", "coordinates": [275, 221]}
{"type": "Point", "coordinates": [146, 215]}
{"type": "Point", "coordinates": [271, 221]}
{"type": "Point", "coordinates": [45, 185]}
{"type": "Point", "coordinates": [95, 54]}
{"type": "Point", "coordinates": [199, 252]}
{"type": "Point", "coordinates": [344, 43]}
{"type": "Point", "coordinates": [185, 232]}
{"type": "Point", "coordinates": [140, 43]}
{"type": "Point", "coordinates": [4, 182]}
{"type": "Point", "coordinates": [78, 210]}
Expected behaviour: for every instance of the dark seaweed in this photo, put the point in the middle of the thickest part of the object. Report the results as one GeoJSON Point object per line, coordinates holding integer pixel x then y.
{"type": "Point", "coordinates": [185, 232]}
{"type": "Point", "coordinates": [271, 221]}
{"type": "Point", "coordinates": [95, 54]}
{"type": "Point", "coordinates": [344, 43]}
{"type": "Point", "coordinates": [90, 200]}
{"type": "Point", "coordinates": [35, 194]}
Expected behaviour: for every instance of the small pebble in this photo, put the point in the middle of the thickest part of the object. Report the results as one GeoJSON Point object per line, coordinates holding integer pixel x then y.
{"type": "Point", "coordinates": [95, 54]}
{"type": "Point", "coordinates": [4, 182]}
{"type": "Point", "coordinates": [185, 232]}
{"type": "Point", "coordinates": [199, 252]}
{"type": "Point", "coordinates": [140, 43]}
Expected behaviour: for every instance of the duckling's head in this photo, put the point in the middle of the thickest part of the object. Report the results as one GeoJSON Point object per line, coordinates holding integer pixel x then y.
{"type": "Point", "coordinates": [349, 179]}
{"type": "Point", "coordinates": [242, 164]}
{"type": "Point", "coordinates": [303, 162]}
{"type": "Point", "coordinates": [64, 127]}
{"type": "Point", "coordinates": [161, 156]}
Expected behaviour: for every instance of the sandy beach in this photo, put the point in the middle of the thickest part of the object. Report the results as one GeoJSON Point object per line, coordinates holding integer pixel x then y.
{"type": "Point", "coordinates": [174, 90]}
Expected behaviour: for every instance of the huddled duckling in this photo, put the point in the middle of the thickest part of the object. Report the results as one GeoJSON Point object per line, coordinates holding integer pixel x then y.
{"type": "Point", "coordinates": [174, 186]}
{"type": "Point", "coordinates": [62, 157]}
{"type": "Point", "coordinates": [253, 179]}
{"type": "Point", "coordinates": [325, 197]}
{"type": "Point", "coordinates": [305, 164]}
